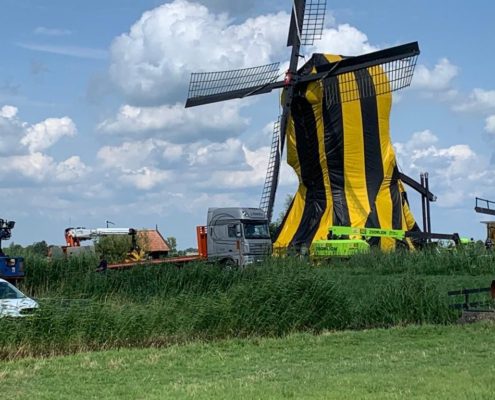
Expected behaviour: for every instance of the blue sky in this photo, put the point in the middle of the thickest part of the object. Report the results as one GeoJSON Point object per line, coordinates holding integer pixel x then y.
{"type": "Point", "coordinates": [92, 125]}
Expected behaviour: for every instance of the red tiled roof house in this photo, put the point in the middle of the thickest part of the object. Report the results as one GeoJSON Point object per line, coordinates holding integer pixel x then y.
{"type": "Point", "coordinates": [155, 245]}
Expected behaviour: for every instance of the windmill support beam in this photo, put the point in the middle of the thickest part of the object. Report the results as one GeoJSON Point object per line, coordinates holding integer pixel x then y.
{"type": "Point", "coordinates": [418, 187]}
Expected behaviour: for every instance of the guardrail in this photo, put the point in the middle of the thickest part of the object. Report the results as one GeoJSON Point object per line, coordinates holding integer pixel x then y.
{"type": "Point", "coordinates": [469, 305]}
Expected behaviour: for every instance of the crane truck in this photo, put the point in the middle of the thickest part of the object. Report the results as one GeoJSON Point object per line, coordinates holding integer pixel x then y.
{"type": "Point", "coordinates": [11, 268]}
{"type": "Point", "coordinates": [232, 236]}
{"type": "Point", "coordinates": [74, 237]}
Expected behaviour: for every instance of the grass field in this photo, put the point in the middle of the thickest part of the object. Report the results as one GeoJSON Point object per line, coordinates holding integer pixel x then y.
{"type": "Point", "coordinates": [82, 310]}
{"type": "Point", "coordinates": [433, 362]}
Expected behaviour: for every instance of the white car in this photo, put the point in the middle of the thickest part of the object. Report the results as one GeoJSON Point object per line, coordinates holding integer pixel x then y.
{"type": "Point", "coordinates": [14, 303]}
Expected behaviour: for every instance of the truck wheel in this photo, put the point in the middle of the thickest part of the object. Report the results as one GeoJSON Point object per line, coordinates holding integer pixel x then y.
{"type": "Point", "coordinates": [228, 263]}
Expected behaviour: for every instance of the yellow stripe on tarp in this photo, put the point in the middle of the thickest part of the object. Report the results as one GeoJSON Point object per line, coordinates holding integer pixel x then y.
{"type": "Point", "coordinates": [331, 58]}
{"type": "Point", "coordinates": [408, 220]}
{"type": "Point", "coordinates": [383, 199]}
{"type": "Point", "coordinates": [293, 220]}
{"type": "Point", "coordinates": [292, 157]}
{"type": "Point", "coordinates": [315, 92]}
{"type": "Point", "coordinates": [354, 169]}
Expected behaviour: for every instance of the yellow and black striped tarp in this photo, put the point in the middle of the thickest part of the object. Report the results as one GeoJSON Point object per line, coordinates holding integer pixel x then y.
{"type": "Point", "coordinates": [344, 159]}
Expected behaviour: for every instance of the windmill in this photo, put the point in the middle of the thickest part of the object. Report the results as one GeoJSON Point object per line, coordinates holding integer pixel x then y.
{"type": "Point", "coordinates": [394, 68]}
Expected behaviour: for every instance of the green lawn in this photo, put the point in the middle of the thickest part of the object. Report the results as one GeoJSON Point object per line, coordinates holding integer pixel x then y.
{"type": "Point", "coordinates": [435, 362]}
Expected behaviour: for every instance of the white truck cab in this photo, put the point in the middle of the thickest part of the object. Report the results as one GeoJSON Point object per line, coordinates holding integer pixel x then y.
{"type": "Point", "coordinates": [238, 235]}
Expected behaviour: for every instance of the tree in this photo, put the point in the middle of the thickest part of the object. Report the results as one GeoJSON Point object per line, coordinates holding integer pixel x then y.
{"type": "Point", "coordinates": [38, 248]}
{"type": "Point", "coordinates": [116, 248]}
{"type": "Point", "coordinates": [113, 248]}
{"type": "Point", "coordinates": [172, 244]}
{"type": "Point", "coordinates": [14, 249]}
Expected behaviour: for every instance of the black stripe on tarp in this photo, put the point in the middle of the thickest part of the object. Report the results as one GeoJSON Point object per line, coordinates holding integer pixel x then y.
{"type": "Point", "coordinates": [373, 164]}
{"type": "Point", "coordinates": [396, 198]}
{"type": "Point", "coordinates": [305, 127]}
{"type": "Point", "coordinates": [334, 149]}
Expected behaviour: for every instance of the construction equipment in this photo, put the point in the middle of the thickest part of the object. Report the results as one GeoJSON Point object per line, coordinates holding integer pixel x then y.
{"type": "Point", "coordinates": [345, 241]}
{"type": "Point", "coordinates": [11, 268]}
{"type": "Point", "coordinates": [74, 237]}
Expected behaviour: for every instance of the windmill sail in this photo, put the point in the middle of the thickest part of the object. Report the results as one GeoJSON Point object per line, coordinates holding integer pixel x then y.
{"type": "Point", "coordinates": [211, 87]}
{"type": "Point", "coordinates": [272, 173]}
{"type": "Point", "coordinates": [307, 22]}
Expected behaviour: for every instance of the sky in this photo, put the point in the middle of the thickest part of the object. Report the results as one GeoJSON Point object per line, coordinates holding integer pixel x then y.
{"type": "Point", "coordinates": [93, 125]}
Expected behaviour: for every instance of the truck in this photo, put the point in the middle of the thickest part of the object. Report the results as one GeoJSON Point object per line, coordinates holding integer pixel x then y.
{"type": "Point", "coordinates": [11, 268]}
{"type": "Point", "coordinates": [232, 236]}
{"type": "Point", "coordinates": [237, 236]}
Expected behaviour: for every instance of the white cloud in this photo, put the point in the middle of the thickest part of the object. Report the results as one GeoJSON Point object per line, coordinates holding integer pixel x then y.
{"type": "Point", "coordinates": [71, 51]}
{"type": "Point", "coordinates": [11, 131]}
{"type": "Point", "coordinates": [250, 171]}
{"type": "Point", "coordinates": [46, 133]}
{"type": "Point", "coordinates": [437, 79]}
{"type": "Point", "coordinates": [177, 124]}
{"type": "Point", "coordinates": [184, 159]}
{"type": "Point", "coordinates": [8, 112]}
{"type": "Point", "coordinates": [344, 40]}
{"type": "Point", "coordinates": [228, 153]}
{"type": "Point", "coordinates": [218, 166]}
{"type": "Point", "coordinates": [456, 172]}
{"type": "Point", "coordinates": [145, 178]}
{"type": "Point", "coordinates": [479, 100]}
{"type": "Point", "coordinates": [151, 64]}
{"type": "Point", "coordinates": [35, 165]}
{"type": "Point", "coordinates": [39, 167]}
{"type": "Point", "coordinates": [490, 124]}
{"type": "Point", "coordinates": [21, 150]}
{"type": "Point", "coordinates": [236, 7]}
{"type": "Point", "coordinates": [129, 155]}
{"type": "Point", "coordinates": [41, 30]}
{"type": "Point", "coordinates": [71, 170]}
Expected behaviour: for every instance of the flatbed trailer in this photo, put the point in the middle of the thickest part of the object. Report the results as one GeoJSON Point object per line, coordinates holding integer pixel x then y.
{"type": "Point", "coordinates": [168, 260]}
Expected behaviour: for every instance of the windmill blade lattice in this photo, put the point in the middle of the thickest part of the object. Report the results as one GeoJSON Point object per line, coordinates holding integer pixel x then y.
{"type": "Point", "coordinates": [271, 179]}
{"type": "Point", "coordinates": [314, 21]}
{"type": "Point", "coordinates": [211, 86]}
{"type": "Point", "coordinates": [388, 77]}
{"type": "Point", "coordinates": [306, 22]}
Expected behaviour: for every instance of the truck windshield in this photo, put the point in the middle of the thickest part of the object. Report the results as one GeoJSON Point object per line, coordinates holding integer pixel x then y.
{"type": "Point", "coordinates": [8, 292]}
{"type": "Point", "coordinates": [256, 230]}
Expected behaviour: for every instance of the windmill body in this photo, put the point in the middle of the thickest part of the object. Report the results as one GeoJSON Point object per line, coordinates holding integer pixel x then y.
{"type": "Point", "coordinates": [343, 156]}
